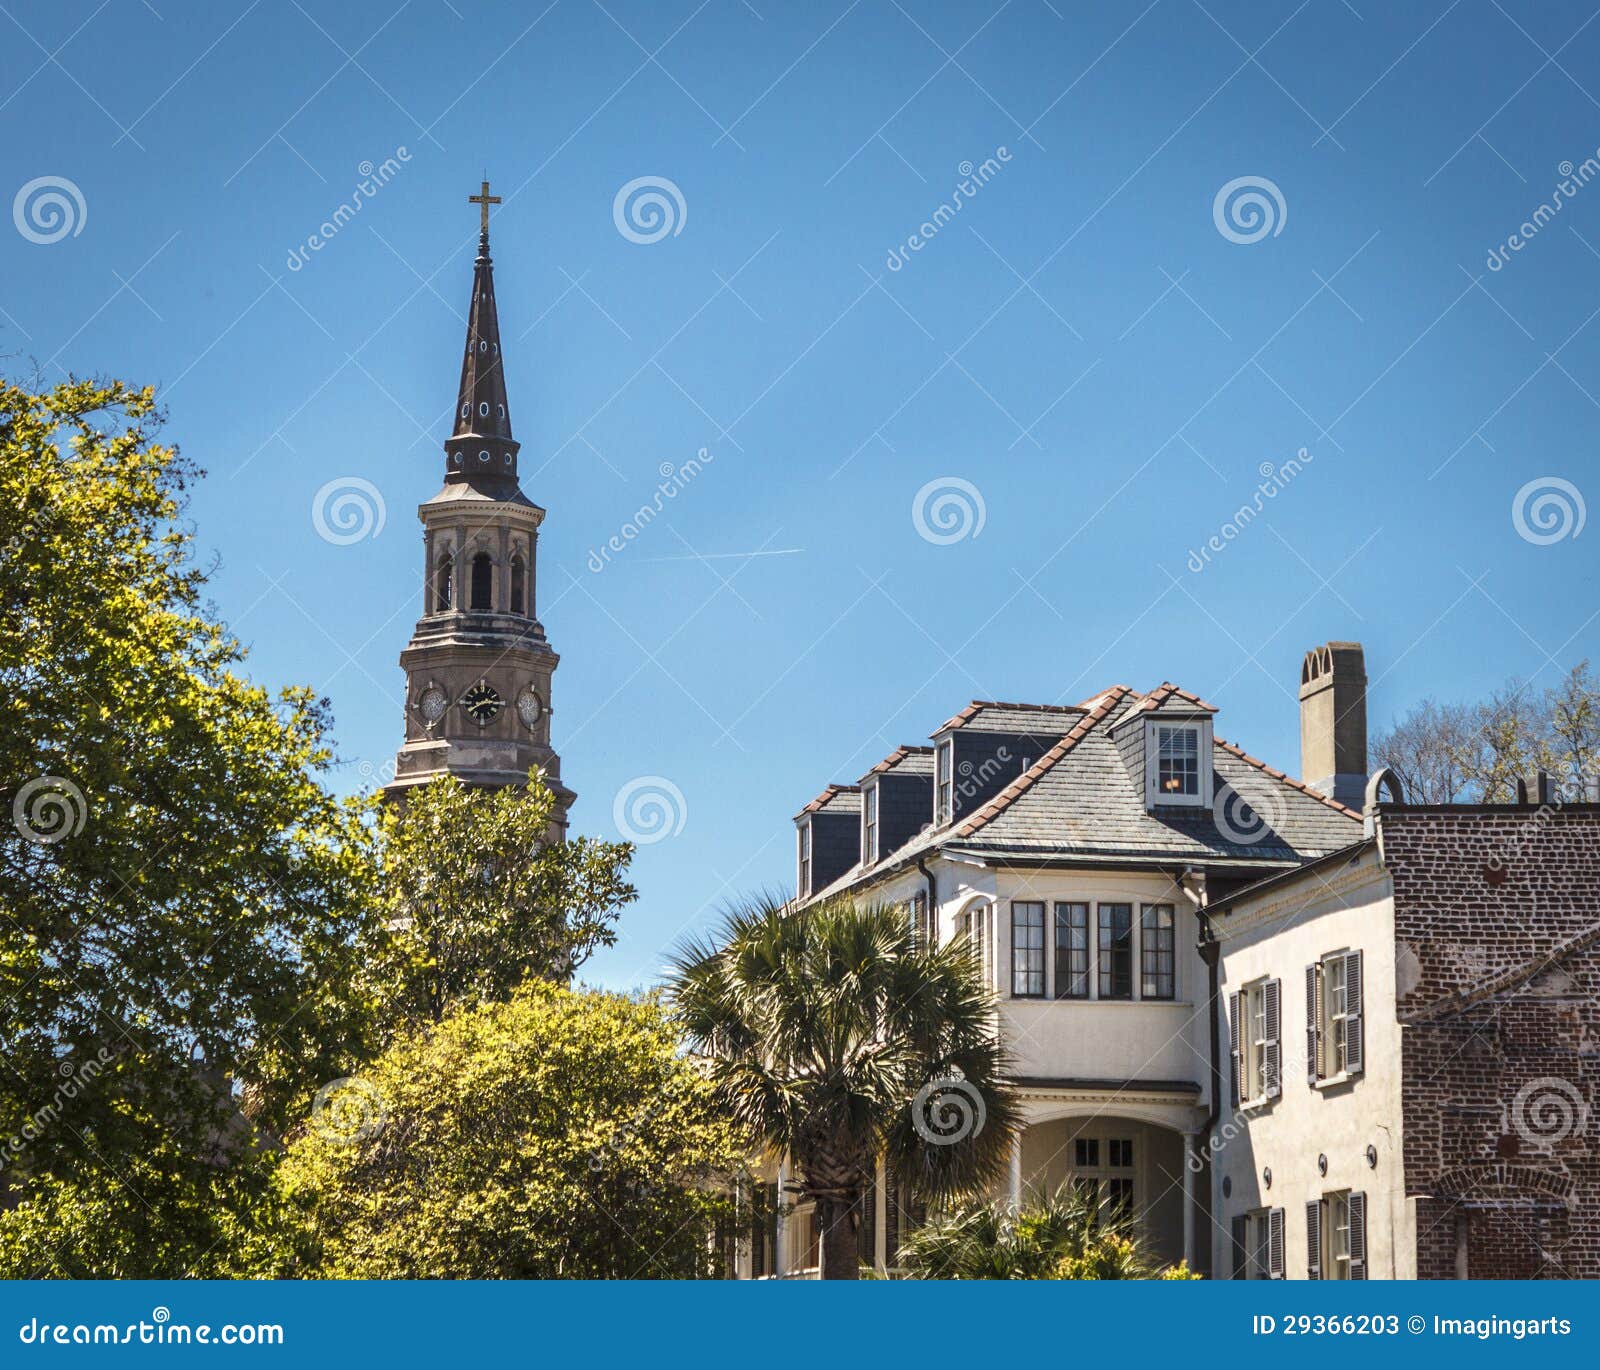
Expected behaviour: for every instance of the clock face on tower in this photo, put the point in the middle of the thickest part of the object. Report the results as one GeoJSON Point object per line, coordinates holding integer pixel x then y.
{"type": "Point", "coordinates": [529, 707]}
{"type": "Point", "coordinates": [481, 702]}
{"type": "Point", "coordinates": [432, 704]}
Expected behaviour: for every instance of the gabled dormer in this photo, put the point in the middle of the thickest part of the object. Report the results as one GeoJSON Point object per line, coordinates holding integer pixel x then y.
{"type": "Point", "coordinates": [896, 799]}
{"type": "Point", "coordinates": [986, 746]}
{"type": "Point", "coordinates": [827, 839]}
{"type": "Point", "coordinates": [1165, 740]}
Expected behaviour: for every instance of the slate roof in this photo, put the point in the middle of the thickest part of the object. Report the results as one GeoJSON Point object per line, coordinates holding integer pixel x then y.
{"type": "Point", "coordinates": [835, 799]}
{"type": "Point", "coordinates": [1078, 802]}
{"type": "Point", "coordinates": [989, 716]}
{"type": "Point", "coordinates": [904, 761]}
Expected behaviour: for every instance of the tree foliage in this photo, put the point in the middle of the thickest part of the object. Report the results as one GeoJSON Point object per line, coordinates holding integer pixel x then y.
{"type": "Point", "coordinates": [178, 890]}
{"type": "Point", "coordinates": [1061, 1236]}
{"type": "Point", "coordinates": [477, 898]}
{"type": "Point", "coordinates": [559, 1134]}
{"type": "Point", "coordinates": [836, 1037]}
{"type": "Point", "coordinates": [1477, 752]}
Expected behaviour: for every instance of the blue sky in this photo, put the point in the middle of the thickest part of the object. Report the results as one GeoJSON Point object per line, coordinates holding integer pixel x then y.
{"type": "Point", "coordinates": [1082, 344]}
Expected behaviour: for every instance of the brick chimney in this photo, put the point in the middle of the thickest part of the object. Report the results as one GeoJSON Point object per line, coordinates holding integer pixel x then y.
{"type": "Point", "coordinates": [1333, 721]}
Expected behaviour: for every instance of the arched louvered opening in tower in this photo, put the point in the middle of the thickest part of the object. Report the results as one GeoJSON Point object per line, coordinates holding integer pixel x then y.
{"type": "Point", "coordinates": [482, 583]}
{"type": "Point", "coordinates": [519, 580]}
{"type": "Point", "coordinates": [444, 586]}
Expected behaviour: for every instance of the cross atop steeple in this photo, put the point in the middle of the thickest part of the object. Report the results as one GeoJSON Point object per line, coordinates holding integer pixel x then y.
{"type": "Point", "coordinates": [483, 200]}
{"type": "Point", "coordinates": [481, 451]}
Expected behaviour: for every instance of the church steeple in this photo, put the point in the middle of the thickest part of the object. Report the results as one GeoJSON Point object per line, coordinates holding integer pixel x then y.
{"type": "Point", "coordinates": [481, 451]}
{"type": "Point", "coordinates": [478, 666]}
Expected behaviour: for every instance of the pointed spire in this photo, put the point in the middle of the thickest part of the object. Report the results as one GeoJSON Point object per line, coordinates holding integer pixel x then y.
{"type": "Point", "coordinates": [481, 449]}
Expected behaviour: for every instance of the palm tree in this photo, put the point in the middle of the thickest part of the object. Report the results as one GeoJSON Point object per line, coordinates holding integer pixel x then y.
{"type": "Point", "coordinates": [1066, 1235]}
{"type": "Point", "coordinates": [836, 1037]}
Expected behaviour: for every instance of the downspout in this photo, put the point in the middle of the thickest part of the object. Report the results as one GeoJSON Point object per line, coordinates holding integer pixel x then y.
{"type": "Point", "coordinates": [933, 890]}
{"type": "Point", "coordinates": [1210, 950]}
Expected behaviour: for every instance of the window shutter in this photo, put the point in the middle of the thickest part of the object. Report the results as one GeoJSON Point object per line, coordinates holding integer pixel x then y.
{"type": "Point", "coordinates": [1272, 1052]}
{"type": "Point", "coordinates": [1314, 1239]}
{"type": "Point", "coordinates": [1233, 1040]}
{"type": "Point", "coordinates": [1358, 1234]}
{"type": "Point", "coordinates": [1313, 1023]}
{"type": "Point", "coordinates": [891, 1220]}
{"type": "Point", "coordinates": [1355, 1047]}
{"type": "Point", "coordinates": [1241, 1235]}
{"type": "Point", "coordinates": [1275, 1244]}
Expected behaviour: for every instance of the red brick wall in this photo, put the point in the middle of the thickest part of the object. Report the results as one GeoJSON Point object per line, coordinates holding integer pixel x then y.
{"type": "Point", "coordinates": [1500, 1068]}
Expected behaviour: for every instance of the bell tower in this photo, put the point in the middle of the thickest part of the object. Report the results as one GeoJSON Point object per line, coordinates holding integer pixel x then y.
{"type": "Point", "coordinates": [478, 666]}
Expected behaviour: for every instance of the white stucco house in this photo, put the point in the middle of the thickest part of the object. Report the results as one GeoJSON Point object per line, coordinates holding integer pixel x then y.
{"type": "Point", "coordinates": [1074, 847]}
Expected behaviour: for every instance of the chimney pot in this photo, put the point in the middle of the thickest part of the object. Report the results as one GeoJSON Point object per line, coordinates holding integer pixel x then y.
{"type": "Point", "coordinates": [1333, 721]}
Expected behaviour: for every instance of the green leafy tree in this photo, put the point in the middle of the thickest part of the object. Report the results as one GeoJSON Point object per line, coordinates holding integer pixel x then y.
{"type": "Point", "coordinates": [836, 1037]}
{"type": "Point", "coordinates": [1061, 1236]}
{"type": "Point", "coordinates": [556, 1135]}
{"type": "Point", "coordinates": [178, 890]}
{"type": "Point", "coordinates": [477, 898]}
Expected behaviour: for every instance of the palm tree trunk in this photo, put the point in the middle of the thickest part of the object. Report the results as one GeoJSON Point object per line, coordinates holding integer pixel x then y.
{"type": "Point", "coordinates": [840, 1260]}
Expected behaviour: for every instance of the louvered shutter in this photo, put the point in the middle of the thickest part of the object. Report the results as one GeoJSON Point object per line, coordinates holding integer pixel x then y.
{"type": "Point", "coordinates": [1241, 1235]}
{"type": "Point", "coordinates": [1313, 1023]}
{"type": "Point", "coordinates": [891, 1220]}
{"type": "Point", "coordinates": [1355, 1048]}
{"type": "Point", "coordinates": [1358, 1236]}
{"type": "Point", "coordinates": [1272, 1049]}
{"type": "Point", "coordinates": [1234, 1028]}
{"type": "Point", "coordinates": [1275, 1244]}
{"type": "Point", "coordinates": [1314, 1239]}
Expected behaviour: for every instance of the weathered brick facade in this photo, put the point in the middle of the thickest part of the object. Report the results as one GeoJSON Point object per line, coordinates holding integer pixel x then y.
{"type": "Point", "coordinates": [1497, 925]}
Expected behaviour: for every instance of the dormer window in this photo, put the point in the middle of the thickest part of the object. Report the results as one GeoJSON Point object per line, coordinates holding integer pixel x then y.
{"type": "Point", "coordinates": [869, 825]}
{"type": "Point", "coordinates": [803, 846]}
{"type": "Point", "coordinates": [1178, 763]}
{"type": "Point", "coordinates": [943, 782]}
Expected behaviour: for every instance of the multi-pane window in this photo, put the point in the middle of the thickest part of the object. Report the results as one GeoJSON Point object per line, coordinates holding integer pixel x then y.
{"type": "Point", "coordinates": [1334, 1045]}
{"type": "Point", "coordinates": [869, 824]}
{"type": "Point", "coordinates": [1258, 1245]}
{"type": "Point", "coordinates": [1336, 1236]}
{"type": "Point", "coordinates": [1072, 951]}
{"type": "Point", "coordinates": [1177, 762]}
{"type": "Point", "coordinates": [1254, 1029]}
{"type": "Point", "coordinates": [1116, 951]}
{"type": "Point", "coordinates": [1157, 952]}
{"type": "Point", "coordinates": [974, 926]}
{"type": "Point", "coordinates": [803, 838]}
{"type": "Point", "coordinates": [1102, 1171]}
{"type": "Point", "coordinates": [944, 782]}
{"type": "Point", "coordinates": [1027, 949]}
{"type": "Point", "coordinates": [921, 925]}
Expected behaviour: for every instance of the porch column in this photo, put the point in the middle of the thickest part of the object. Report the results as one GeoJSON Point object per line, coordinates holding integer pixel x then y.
{"type": "Point", "coordinates": [1190, 1157]}
{"type": "Point", "coordinates": [780, 1263]}
{"type": "Point", "coordinates": [1016, 1169]}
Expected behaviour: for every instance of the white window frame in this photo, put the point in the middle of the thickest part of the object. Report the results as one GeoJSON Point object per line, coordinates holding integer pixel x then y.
{"type": "Point", "coordinates": [1332, 1021]}
{"type": "Point", "coordinates": [1336, 1235]}
{"type": "Point", "coordinates": [803, 858]}
{"type": "Point", "coordinates": [1258, 1263]}
{"type": "Point", "coordinates": [1102, 1173]}
{"type": "Point", "coordinates": [976, 923]}
{"type": "Point", "coordinates": [1251, 1030]}
{"type": "Point", "coordinates": [1153, 795]}
{"type": "Point", "coordinates": [944, 781]}
{"type": "Point", "coordinates": [869, 824]}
